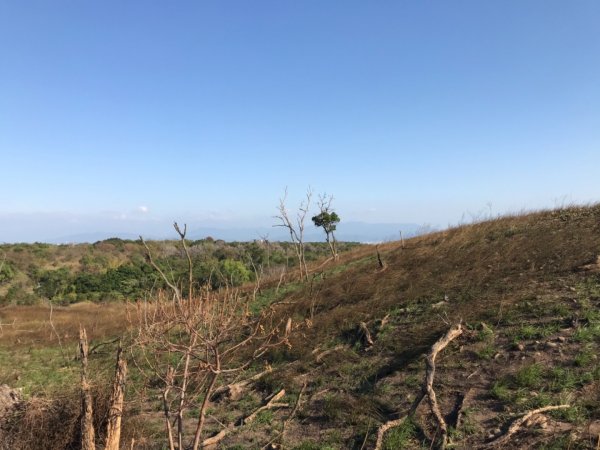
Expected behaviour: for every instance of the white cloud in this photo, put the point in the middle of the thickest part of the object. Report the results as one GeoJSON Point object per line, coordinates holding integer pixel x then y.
{"type": "Point", "coordinates": [143, 209]}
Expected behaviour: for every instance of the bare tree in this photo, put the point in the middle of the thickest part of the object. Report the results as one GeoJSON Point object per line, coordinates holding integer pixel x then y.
{"type": "Point", "coordinates": [296, 227]}
{"type": "Point", "coordinates": [194, 347]}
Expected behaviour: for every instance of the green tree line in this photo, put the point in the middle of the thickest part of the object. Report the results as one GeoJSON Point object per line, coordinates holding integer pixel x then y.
{"type": "Point", "coordinates": [116, 269]}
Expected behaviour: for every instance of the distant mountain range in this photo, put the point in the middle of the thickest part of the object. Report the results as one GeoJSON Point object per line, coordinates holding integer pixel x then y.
{"type": "Point", "coordinates": [348, 231]}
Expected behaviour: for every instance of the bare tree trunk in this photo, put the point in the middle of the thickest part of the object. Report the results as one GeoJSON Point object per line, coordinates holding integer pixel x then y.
{"type": "Point", "coordinates": [202, 418]}
{"type": "Point", "coordinates": [189, 258]}
{"type": "Point", "coordinates": [331, 246]}
{"type": "Point", "coordinates": [167, 410]}
{"type": "Point", "coordinates": [181, 408]}
{"type": "Point", "coordinates": [113, 428]}
{"type": "Point", "coordinates": [334, 244]}
{"type": "Point", "coordinates": [87, 413]}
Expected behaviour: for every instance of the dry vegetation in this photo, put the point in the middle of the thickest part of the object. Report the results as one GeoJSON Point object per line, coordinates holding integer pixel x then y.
{"type": "Point", "coordinates": [525, 288]}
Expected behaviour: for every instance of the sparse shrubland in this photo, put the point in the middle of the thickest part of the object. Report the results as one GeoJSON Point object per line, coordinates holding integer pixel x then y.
{"type": "Point", "coordinates": [115, 269]}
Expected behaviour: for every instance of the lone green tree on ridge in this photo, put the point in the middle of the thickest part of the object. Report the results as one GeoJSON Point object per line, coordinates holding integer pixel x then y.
{"type": "Point", "coordinates": [328, 220]}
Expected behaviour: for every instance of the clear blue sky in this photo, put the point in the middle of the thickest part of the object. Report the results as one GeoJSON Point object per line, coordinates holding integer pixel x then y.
{"type": "Point", "coordinates": [405, 111]}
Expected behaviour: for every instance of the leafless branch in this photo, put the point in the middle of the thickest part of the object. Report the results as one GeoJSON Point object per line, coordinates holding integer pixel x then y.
{"type": "Point", "coordinates": [296, 228]}
{"type": "Point", "coordinates": [168, 282]}
{"type": "Point", "coordinates": [517, 424]}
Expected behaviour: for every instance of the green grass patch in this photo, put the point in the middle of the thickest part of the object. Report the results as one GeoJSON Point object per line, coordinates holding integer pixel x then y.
{"type": "Point", "coordinates": [529, 376]}
{"type": "Point", "coordinates": [401, 436]}
{"type": "Point", "coordinates": [272, 295]}
{"type": "Point", "coordinates": [585, 357]}
{"type": "Point", "coordinates": [587, 333]}
{"type": "Point", "coordinates": [501, 391]}
{"type": "Point", "coordinates": [487, 352]}
{"type": "Point", "coordinates": [38, 371]}
{"type": "Point", "coordinates": [531, 331]}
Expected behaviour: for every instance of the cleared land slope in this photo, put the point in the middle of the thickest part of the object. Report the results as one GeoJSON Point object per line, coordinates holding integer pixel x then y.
{"type": "Point", "coordinates": [526, 291]}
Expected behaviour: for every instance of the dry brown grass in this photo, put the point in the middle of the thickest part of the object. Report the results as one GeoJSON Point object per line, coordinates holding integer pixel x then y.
{"type": "Point", "coordinates": [480, 267]}
{"type": "Point", "coordinates": [34, 325]}
{"type": "Point", "coordinates": [53, 423]}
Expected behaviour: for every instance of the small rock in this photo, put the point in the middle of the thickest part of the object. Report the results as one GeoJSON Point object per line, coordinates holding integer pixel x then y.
{"type": "Point", "coordinates": [562, 339]}
{"type": "Point", "coordinates": [551, 344]}
{"type": "Point", "coordinates": [520, 347]}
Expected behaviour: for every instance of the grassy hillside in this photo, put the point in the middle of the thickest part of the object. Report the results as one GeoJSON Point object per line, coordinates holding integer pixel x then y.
{"type": "Point", "coordinates": [526, 290]}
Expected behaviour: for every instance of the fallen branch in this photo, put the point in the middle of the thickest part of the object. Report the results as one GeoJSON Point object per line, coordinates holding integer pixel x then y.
{"type": "Point", "coordinates": [101, 344]}
{"type": "Point", "coordinates": [280, 435]}
{"type": "Point", "coordinates": [366, 335]}
{"type": "Point", "coordinates": [388, 426]}
{"type": "Point", "coordinates": [323, 354]}
{"type": "Point", "coordinates": [383, 322]}
{"type": "Point", "coordinates": [517, 424]}
{"type": "Point", "coordinates": [430, 372]}
{"type": "Point", "coordinates": [426, 390]}
{"type": "Point", "coordinates": [234, 390]}
{"type": "Point", "coordinates": [271, 404]}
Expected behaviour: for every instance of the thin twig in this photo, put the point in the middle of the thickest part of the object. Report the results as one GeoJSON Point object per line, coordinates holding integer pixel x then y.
{"type": "Point", "coordinates": [62, 350]}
